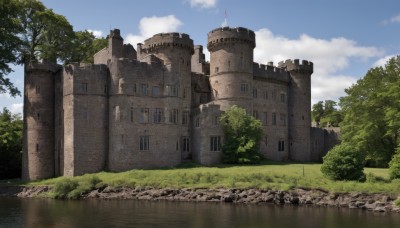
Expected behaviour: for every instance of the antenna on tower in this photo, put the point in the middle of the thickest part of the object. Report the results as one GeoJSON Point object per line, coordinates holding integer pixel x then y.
{"type": "Point", "coordinates": [225, 23]}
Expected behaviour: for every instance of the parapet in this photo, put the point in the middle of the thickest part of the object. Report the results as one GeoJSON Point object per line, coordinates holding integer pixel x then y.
{"type": "Point", "coordinates": [42, 65]}
{"type": "Point", "coordinates": [165, 40]}
{"type": "Point", "coordinates": [270, 72]}
{"type": "Point", "coordinates": [226, 35]}
{"type": "Point", "coordinates": [294, 65]}
{"type": "Point", "coordinates": [115, 34]}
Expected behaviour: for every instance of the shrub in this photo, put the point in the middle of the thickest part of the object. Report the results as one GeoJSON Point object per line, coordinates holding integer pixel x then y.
{"type": "Point", "coordinates": [343, 162]}
{"type": "Point", "coordinates": [397, 202]}
{"type": "Point", "coordinates": [242, 137]}
{"type": "Point", "coordinates": [394, 166]}
{"type": "Point", "coordinates": [63, 188]}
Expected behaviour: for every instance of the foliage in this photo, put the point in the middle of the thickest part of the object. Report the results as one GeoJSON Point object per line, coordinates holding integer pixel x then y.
{"type": "Point", "coordinates": [343, 162]}
{"type": "Point", "coordinates": [267, 175]}
{"type": "Point", "coordinates": [394, 166]}
{"type": "Point", "coordinates": [325, 114]}
{"type": "Point", "coordinates": [10, 145]}
{"type": "Point", "coordinates": [73, 188]}
{"type": "Point", "coordinates": [397, 202]}
{"type": "Point", "coordinates": [242, 137]}
{"type": "Point", "coordinates": [371, 111]}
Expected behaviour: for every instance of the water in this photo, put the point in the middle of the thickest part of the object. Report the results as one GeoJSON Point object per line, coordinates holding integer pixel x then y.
{"type": "Point", "coordinates": [44, 213]}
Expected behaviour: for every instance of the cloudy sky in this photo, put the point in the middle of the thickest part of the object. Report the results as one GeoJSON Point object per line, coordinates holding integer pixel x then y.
{"type": "Point", "coordinates": [343, 38]}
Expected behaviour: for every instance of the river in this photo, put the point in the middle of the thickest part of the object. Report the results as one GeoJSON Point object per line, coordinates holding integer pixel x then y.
{"type": "Point", "coordinates": [43, 213]}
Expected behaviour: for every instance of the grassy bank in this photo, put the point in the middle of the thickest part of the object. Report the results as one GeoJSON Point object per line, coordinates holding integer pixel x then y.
{"type": "Point", "coordinates": [280, 176]}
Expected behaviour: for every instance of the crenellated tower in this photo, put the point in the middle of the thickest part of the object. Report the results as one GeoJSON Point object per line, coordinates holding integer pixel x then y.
{"type": "Point", "coordinates": [299, 102]}
{"type": "Point", "coordinates": [38, 146]}
{"type": "Point", "coordinates": [231, 66]}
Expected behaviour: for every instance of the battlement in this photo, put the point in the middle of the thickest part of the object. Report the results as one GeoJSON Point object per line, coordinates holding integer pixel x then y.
{"type": "Point", "coordinates": [295, 65]}
{"type": "Point", "coordinates": [115, 34]}
{"type": "Point", "coordinates": [42, 65]}
{"type": "Point", "coordinates": [270, 72]}
{"type": "Point", "coordinates": [165, 40]}
{"type": "Point", "coordinates": [226, 35]}
{"type": "Point", "coordinates": [86, 67]}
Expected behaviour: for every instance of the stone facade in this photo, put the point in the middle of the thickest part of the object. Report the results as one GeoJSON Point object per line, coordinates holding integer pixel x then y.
{"type": "Point", "coordinates": [159, 105]}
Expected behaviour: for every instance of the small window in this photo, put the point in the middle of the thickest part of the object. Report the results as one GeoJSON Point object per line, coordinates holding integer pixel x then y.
{"type": "Point", "coordinates": [185, 91]}
{"type": "Point", "coordinates": [254, 93]}
{"type": "Point", "coordinates": [197, 122]}
{"type": "Point", "coordinates": [156, 91]}
{"type": "Point", "coordinates": [273, 118]}
{"type": "Point", "coordinates": [37, 89]}
{"type": "Point", "coordinates": [144, 115]}
{"type": "Point", "coordinates": [244, 87]}
{"type": "Point", "coordinates": [185, 117]}
{"type": "Point", "coordinates": [38, 116]}
{"type": "Point", "coordinates": [215, 93]}
{"type": "Point", "coordinates": [131, 114]}
{"type": "Point", "coordinates": [143, 90]}
{"type": "Point", "coordinates": [84, 87]}
{"type": "Point", "coordinates": [157, 117]}
{"type": "Point", "coordinates": [144, 143]}
{"type": "Point", "coordinates": [216, 121]}
{"type": "Point", "coordinates": [255, 114]}
{"type": "Point", "coordinates": [216, 69]}
{"type": "Point", "coordinates": [173, 116]}
{"type": "Point", "coordinates": [37, 148]}
{"type": "Point", "coordinates": [265, 118]}
{"type": "Point", "coordinates": [117, 113]}
{"type": "Point", "coordinates": [283, 98]}
{"type": "Point", "coordinates": [185, 144]}
{"type": "Point", "coordinates": [266, 140]}
{"type": "Point", "coordinates": [281, 145]}
{"type": "Point", "coordinates": [265, 95]}
{"type": "Point", "coordinates": [283, 119]}
{"type": "Point", "coordinates": [215, 143]}
{"type": "Point", "coordinates": [105, 90]}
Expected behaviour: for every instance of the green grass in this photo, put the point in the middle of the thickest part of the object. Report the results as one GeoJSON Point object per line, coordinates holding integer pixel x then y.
{"type": "Point", "coordinates": [273, 175]}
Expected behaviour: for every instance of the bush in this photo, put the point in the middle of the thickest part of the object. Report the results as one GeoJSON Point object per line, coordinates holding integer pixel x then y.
{"type": "Point", "coordinates": [343, 162]}
{"type": "Point", "coordinates": [68, 188]}
{"type": "Point", "coordinates": [242, 137]}
{"type": "Point", "coordinates": [394, 166]}
{"type": "Point", "coordinates": [63, 187]}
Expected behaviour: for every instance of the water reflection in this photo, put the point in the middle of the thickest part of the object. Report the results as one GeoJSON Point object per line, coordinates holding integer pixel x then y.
{"type": "Point", "coordinates": [131, 213]}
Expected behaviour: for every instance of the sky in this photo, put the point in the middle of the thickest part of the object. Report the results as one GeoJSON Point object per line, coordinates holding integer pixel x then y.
{"type": "Point", "coordinates": [343, 38]}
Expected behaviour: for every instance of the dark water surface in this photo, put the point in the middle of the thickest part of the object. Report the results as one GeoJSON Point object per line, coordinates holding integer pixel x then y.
{"type": "Point", "coordinates": [44, 213]}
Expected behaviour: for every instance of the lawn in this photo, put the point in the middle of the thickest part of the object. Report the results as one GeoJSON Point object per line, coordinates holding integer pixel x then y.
{"type": "Point", "coordinates": [273, 175]}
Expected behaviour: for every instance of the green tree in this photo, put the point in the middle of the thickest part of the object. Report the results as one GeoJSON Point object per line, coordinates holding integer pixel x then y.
{"type": "Point", "coordinates": [10, 145]}
{"type": "Point", "coordinates": [10, 43]}
{"type": "Point", "coordinates": [343, 162]}
{"type": "Point", "coordinates": [371, 112]}
{"type": "Point", "coordinates": [242, 137]}
{"type": "Point", "coordinates": [394, 166]}
{"type": "Point", "coordinates": [325, 114]}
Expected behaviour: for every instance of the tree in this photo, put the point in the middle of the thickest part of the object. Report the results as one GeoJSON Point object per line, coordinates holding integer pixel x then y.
{"type": "Point", "coordinates": [10, 43]}
{"type": "Point", "coordinates": [325, 114]}
{"type": "Point", "coordinates": [394, 166]}
{"type": "Point", "coordinates": [371, 111]}
{"type": "Point", "coordinates": [242, 137]}
{"type": "Point", "coordinates": [10, 145]}
{"type": "Point", "coordinates": [343, 162]}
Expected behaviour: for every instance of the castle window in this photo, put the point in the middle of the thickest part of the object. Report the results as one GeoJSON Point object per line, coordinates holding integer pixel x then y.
{"type": "Point", "coordinates": [215, 93]}
{"type": "Point", "coordinates": [265, 95]}
{"type": "Point", "coordinates": [216, 121]}
{"type": "Point", "coordinates": [105, 89]}
{"type": "Point", "coordinates": [38, 116]}
{"type": "Point", "coordinates": [144, 115]}
{"type": "Point", "coordinates": [134, 88]}
{"type": "Point", "coordinates": [255, 114]}
{"type": "Point", "coordinates": [185, 144]}
{"type": "Point", "coordinates": [185, 92]}
{"type": "Point", "coordinates": [273, 118]}
{"type": "Point", "coordinates": [37, 89]}
{"type": "Point", "coordinates": [173, 116]}
{"type": "Point", "coordinates": [244, 87]}
{"type": "Point", "coordinates": [143, 90]}
{"type": "Point", "coordinates": [281, 145]}
{"type": "Point", "coordinates": [215, 143]}
{"type": "Point", "coordinates": [266, 140]}
{"type": "Point", "coordinates": [283, 119]}
{"type": "Point", "coordinates": [216, 69]}
{"type": "Point", "coordinates": [84, 87]}
{"type": "Point", "coordinates": [283, 98]}
{"type": "Point", "coordinates": [158, 113]}
{"type": "Point", "coordinates": [241, 59]}
{"type": "Point", "coordinates": [172, 90]}
{"type": "Point", "coordinates": [121, 87]}
{"type": "Point", "coordinates": [265, 118]}
{"type": "Point", "coordinates": [37, 148]}
{"type": "Point", "coordinates": [132, 114]}
{"type": "Point", "coordinates": [254, 93]}
{"type": "Point", "coordinates": [156, 91]}
{"type": "Point", "coordinates": [197, 122]}
{"type": "Point", "coordinates": [185, 117]}
{"type": "Point", "coordinates": [229, 63]}
{"type": "Point", "coordinates": [144, 143]}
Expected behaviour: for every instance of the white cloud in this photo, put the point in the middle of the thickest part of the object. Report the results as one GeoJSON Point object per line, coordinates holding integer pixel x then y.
{"type": "Point", "coordinates": [382, 61]}
{"type": "Point", "coordinates": [202, 3]}
{"type": "Point", "coordinates": [394, 19]}
{"type": "Point", "coordinates": [16, 108]}
{"type": "Point", "coordinates": [329, 58]}
{"type": "Point", "coordinates": [149, 26]}
{"type": "Point", "coordinates": [96, 33]}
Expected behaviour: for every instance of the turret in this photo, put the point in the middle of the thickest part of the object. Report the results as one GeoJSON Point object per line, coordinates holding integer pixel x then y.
{"type": "Point", "coordinates": [115, 44]}
{"type": "Point", "coordinates": [299, 108]}
{"type": "Point", "coordinates": [38, 145]}
{"type": "Point", "coordinates": [231, 65]}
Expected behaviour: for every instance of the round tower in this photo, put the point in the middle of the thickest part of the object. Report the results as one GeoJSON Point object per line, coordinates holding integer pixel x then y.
{"type": "Point", "coordinates": [231, 66]}
{"type": "Point", "coordinates": [38, 145]}
{"type": "Point", "coordinates": [299, 102]}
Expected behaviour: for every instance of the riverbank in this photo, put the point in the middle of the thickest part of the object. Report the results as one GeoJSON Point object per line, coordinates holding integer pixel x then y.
{"type": "Point", "coordinates": [376, 202]}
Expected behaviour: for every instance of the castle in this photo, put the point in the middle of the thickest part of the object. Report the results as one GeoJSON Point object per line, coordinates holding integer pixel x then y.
{"type": "Point", "coordinates": [159, 105]}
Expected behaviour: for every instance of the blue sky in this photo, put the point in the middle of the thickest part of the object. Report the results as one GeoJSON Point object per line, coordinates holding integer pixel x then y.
{"type": "Point", "coordinates": [343, 38]}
